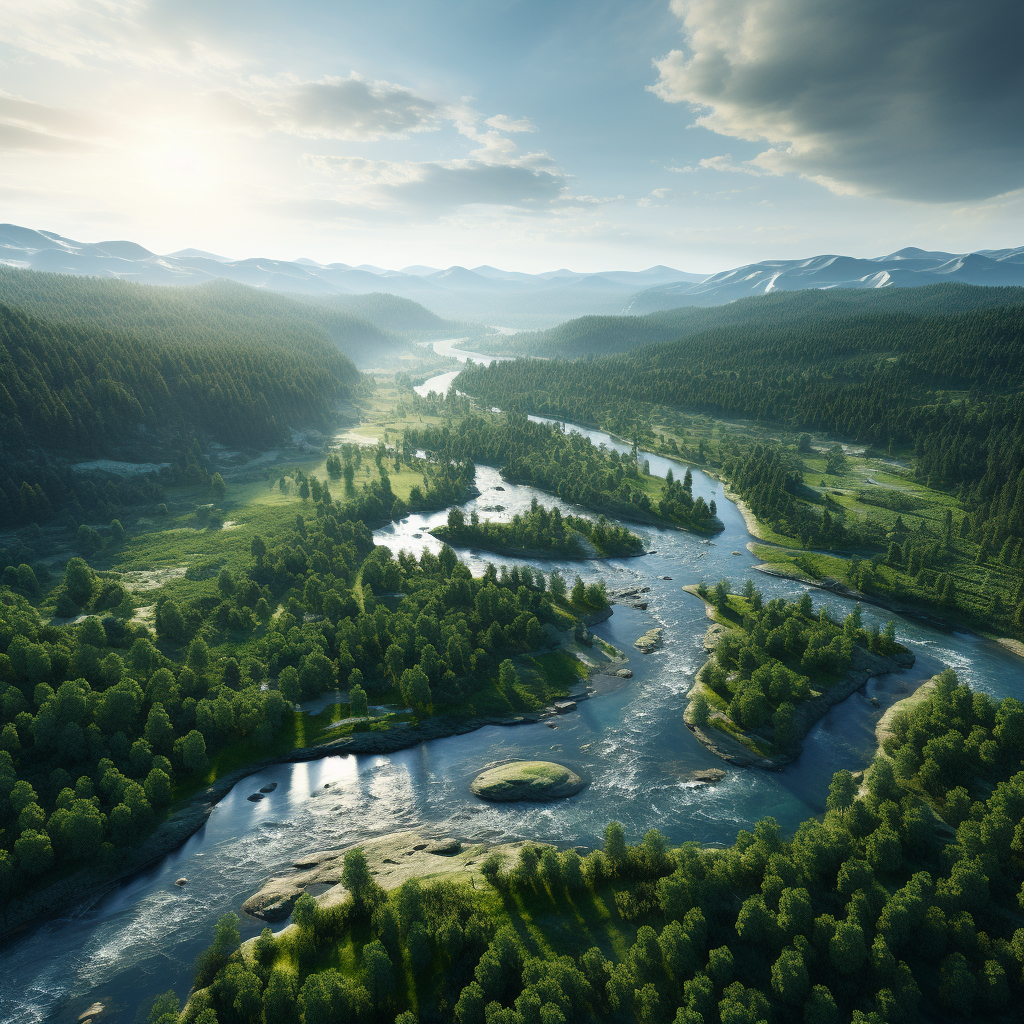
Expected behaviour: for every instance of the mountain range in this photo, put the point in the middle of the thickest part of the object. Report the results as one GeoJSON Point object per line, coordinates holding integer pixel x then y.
{"type": "Point", "coordinates": [907, 268]}
{"type": "Point", "coordinates": [483, 293]}
{"type": "Point", "coordinates": [509, 298]}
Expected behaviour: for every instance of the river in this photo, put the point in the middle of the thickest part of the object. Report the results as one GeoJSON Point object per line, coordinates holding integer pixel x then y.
{"type": "Point", "coordinates": [142, 937]}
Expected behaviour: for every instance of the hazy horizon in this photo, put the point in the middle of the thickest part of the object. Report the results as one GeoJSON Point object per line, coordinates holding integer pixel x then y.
{"type": "Point", "coordinates": [695, 134]}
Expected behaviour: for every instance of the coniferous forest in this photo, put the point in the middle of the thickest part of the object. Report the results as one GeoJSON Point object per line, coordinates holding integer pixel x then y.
{"type": "Point", "coordinates": [942, 391]}
{"type": "Point", "coordinates": [901, 902]}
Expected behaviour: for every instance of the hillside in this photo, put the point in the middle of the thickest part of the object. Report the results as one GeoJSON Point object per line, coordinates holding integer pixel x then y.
{"type": "Point", "coordinates": [144, 381]}
{"type": "Point", "coordinates": [213, 312]}
{"type": "Point", "coordinates": [607, 335]}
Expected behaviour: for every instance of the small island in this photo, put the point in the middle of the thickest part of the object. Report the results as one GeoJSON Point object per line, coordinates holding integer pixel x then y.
{"type": "Point", "coordinates": [526, 780]}
{"type": "Point", "coordinates": [775, 669]}
{"type": "Point", "coordinates": [541, 533]}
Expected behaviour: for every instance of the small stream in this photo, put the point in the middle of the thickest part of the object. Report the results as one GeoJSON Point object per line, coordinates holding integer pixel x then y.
{"type": "Point", "coordinates": [629, 741]}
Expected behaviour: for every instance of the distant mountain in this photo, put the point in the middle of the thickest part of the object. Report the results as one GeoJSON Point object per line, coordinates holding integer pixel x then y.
{"type": "Point", "coordinates": [907, 268]}
{"type": "Point", "coordinates": [485, 294]}
{"type": "Point", "coordinates": [508, 298]}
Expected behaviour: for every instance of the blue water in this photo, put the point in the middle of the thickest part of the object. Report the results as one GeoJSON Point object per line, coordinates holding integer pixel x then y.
{"type": "Point", "coordinates": [628, 741]}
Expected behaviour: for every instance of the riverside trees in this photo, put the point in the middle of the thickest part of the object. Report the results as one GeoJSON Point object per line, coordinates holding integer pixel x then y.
{"type": "Point", "coordinates": [871, 914]}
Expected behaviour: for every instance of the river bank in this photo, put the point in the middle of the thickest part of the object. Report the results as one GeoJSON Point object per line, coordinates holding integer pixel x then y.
{"type": "Point", "coordinates": [90, 883]}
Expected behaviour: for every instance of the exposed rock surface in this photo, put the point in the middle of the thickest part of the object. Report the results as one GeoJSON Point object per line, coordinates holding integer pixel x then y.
{"type": "Point", "coordinates": [392, 860]}
{"type": "Point", "coordinates": [708, 775]}
{"type": "Point", "coordinates": [649, 641]}
{"type": "Point", "coordinates": [526, 780]}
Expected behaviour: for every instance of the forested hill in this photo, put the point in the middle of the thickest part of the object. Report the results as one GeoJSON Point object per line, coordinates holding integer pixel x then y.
{"type": "Point", "coordinates": [73, 390]}
{"type": "Point", "coordinates": [214, 313]}
{"type": "Point", "coordinates": [606, 335]}
{"type": "Point", "coordinates": [388, 312]}
{"type": "Point", "coordinates": [869, 377]}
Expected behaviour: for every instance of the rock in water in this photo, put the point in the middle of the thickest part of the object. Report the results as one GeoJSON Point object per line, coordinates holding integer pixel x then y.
{"type": "Point", "coordinates": [707, 775]}
{"type": "Point", "coordinates": [268, 788]}
{"type": "Point", "coordinates": [255, 797]}
{"type": "Point", "coordinates": [527, 780]}
{"type": "Point", "coordinates": [181, 881]}
{"type": "Point", "coordinates": [651, 639]}
{"type": "Point", "coordinates": [625, 673]}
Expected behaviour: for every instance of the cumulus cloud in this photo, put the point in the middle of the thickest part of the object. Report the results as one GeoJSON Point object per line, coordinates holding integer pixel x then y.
{"type": "Point", "coordinates": [442, 184]}
{"type": "Point", "coordinates": [352, 109]}
{"type": "Point", "coordinates": [724, 162]}
{"type": "Point", "coordinates": [918, 100]}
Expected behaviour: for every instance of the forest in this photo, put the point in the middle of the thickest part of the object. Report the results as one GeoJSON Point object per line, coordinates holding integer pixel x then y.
{"type": "Point", "coordinates": [102, 369]}
{"type": "Point", "coordinates": [774, 656]}
{"type": "Point", "coordinates": [571, 466]}
{"type": "Point", "coordinates": [945, 390]}
{"type": "Point", "coordinates": [606, 335]}
{"type": "Point", "coordinates": [104, 723]}
{"type": "Point", "coordinates": [901, 904]}
{"type": "Point", "coordinates": [543, 533]}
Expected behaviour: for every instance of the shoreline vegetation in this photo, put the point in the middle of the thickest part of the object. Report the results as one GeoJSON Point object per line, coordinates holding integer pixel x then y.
{"type": "Point", "coordinates": [541, 533]}
{"type": "Point", "coordinates": [114, 714]}
{"type": "Point", "coordinates": [775, 670]}
{"type": "Point", "coordinates": [898, 904]}
{"type": "Point", "coordinates": [887, 459]}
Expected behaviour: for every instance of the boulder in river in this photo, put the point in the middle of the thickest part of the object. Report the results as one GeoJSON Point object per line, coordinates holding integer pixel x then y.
{"type": "Point", "coordinates": [707, 775]}
{"type": "Point", "coordinates": [268, 788]}
{"type": "Point", "coordinates": [181, 881]}
{"type": "Point", "coordinates": [625, 673]}
{"type": "Point", "coordinates": [527, 780]}
{"type": "Point", "coordinates": [647, 643]}
{"type": "Point", "coordinates": [255, 797]}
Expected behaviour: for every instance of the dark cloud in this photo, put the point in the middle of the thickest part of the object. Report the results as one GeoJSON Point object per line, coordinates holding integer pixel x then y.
{"type": "Point", "coordinates": [351, 108]}
{"type": "Point", "coordinates": [919, 99]}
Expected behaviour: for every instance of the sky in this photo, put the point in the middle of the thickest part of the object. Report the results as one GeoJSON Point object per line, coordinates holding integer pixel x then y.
{"type": "Point", "coordinates": [524, 134]}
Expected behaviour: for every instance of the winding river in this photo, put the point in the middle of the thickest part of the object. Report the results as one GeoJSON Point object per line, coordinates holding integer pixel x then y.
{"type": "Point", "coordinates": [142, 937]}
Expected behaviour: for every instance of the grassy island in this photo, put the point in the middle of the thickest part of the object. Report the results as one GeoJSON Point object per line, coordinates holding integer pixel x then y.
{"type": "Point", "coordinates": [541, 533]}
{"type": "Point", "coordinates": [776, 668]}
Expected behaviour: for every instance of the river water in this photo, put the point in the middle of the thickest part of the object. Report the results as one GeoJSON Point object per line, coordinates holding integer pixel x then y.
{"type": "Point", "coordinates": [629, 741]}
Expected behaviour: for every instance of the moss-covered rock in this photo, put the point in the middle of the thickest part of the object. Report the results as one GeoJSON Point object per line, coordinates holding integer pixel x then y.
{"type": "Point", "coordinates": [527, 780]}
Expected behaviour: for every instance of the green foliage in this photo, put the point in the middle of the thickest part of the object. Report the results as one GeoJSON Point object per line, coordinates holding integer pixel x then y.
{"type": "Point", "coordinates": [542, 532]}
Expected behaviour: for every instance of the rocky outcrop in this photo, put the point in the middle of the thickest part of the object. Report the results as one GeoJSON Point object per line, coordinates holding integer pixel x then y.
{"type": "Point", "coordinates": [649, 641]}
{"type": "Point", "coordinates": [526, 780]}
{"type": "Point", "coordinates": [392, 860]}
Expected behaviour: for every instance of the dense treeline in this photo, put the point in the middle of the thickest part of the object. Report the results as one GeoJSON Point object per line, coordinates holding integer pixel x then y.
{"type": "Point", "coordinates": [541, 532]}
{"type": "Point", "coordinates": [221, 313]}
{"type": "Point", "coordinates": [946, 387]}
{"type": "Point", "coordinates": [100, 721]}
{"type": "Point", "coordinates": [763, 671]}
{"type": "Point", "coordinates": [118, 373]}
{"type": "Point", "coordinates": [878, 914]}
{"type": "Point", "coordinates": [569, 465]}
{"type": "Point", "coordinates": [605, 335]}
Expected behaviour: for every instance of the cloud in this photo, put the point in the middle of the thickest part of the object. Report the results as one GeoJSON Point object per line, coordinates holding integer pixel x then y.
{"type": "Point", "coordinates": [442, 185]}
{"type": "Point", "coordinates": [915, 100]}
{"type": "Point", "coordinates": [35, 127]}
{"type": "Point", "coordinates": [506, 124]}
{"type": "Point", "coordinates": [353, 109]}
{"type": "Point", "coordinates": [724, 162]}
